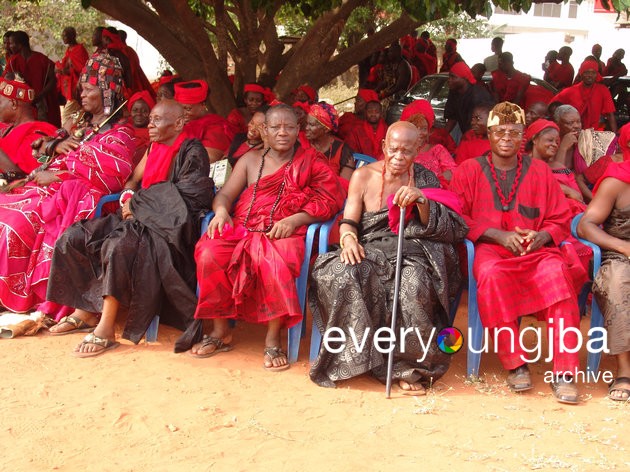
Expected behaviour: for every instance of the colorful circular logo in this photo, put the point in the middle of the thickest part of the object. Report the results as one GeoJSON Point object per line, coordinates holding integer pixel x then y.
{"type": "Point", "coordinates": [450, 340]}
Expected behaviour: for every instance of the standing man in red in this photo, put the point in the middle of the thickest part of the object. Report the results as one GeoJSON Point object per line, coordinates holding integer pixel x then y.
{"type": "Point", "coordinates": [517, 217]}
{"type": "Point", "coordinates": [39, 72]}
{"type": "Point", "coordinates": [591, 98]}
{"type": "Point", "coordinates": [367, 135]}
{"type": "Point", "coordinates": [69, 68]}
{"type": "Point", "coordinates": [509, 84]}
{"type": "Point", "coordinates": [560, 75]}
{"type": "Point", "coordinates": [247, 263]}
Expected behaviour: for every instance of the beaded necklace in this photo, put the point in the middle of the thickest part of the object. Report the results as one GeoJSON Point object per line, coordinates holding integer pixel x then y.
{"type": "Point", "coordinates": [409, 183]}
{"type": "Point", "coordinates": [505, 202]}
{"type": "Point", "coordinates": [267, 228]}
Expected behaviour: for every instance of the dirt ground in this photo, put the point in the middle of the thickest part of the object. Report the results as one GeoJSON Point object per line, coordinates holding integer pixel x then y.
{"type": "Point", "coordinates": [141, 408]}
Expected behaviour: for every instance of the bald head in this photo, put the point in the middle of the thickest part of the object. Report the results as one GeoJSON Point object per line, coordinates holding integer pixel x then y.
{"type": "Point", "coordinates": [400, 146]}
{"type": "Point", "coordinates": [166, 121]}
{"type": "Point", "coordinates": [401, 128]}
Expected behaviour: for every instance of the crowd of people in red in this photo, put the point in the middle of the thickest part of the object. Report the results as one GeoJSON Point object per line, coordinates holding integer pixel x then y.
{"type": "Point", "coordinates": [512, 167]}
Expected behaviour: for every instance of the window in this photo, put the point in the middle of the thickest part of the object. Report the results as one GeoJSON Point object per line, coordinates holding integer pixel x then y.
{"type": "Point", "coordinates": [549, 10]}
{"type": "Point", "coordinates": [573, 9]}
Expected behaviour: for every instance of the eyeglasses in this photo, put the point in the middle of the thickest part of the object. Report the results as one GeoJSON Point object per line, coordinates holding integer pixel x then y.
{"type": "Point", "coordinates": [510, 133]}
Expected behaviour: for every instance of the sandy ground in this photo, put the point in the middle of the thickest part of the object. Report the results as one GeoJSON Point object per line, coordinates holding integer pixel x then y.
{"type": "Point", "coordinates": [142, 408]}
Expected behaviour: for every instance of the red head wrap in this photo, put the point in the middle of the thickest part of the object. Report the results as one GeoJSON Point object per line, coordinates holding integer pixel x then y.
{"type": "Point", "coordinates": [254, 88]}
{"type": "Point", "coordinates": [114, 40]}
{"type": "Point", "coordinates": [189, 93]}
{"type": "Point", "coordinates": [326, 115]}
{"type": "Point", "coordinates": [368, 95]}
{"type": "Point", "coordinates": [537, 126]}
{"type": "Point", "coordinates": [309, 91]}
{"type": "Point", "coordinates": [17, 90]}
{"type": "Point", "coordinates": [461, 69]}
{"type": "Point", "coordinates": [421, 107]}
{"type": "Point", "coordinates": [144, 96]}
{"type": "Point", "coordinates": [304, 106]}
{"type": "Point", "coordinates": [165, 79]}
{"type": "Point", "coordinates": [590, 64]}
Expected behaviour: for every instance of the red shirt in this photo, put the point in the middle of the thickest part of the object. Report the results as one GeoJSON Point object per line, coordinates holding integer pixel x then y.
{"type": "Point", "coordinates": [591, 102]}
{"type": "Point", "coordinates": [509, 88]}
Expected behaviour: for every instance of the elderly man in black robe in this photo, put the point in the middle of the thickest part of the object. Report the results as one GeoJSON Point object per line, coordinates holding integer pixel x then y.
{"type": "Point", "coordinates": [352, 288]}
{"type": "Point", "coordinates": [142, 257]}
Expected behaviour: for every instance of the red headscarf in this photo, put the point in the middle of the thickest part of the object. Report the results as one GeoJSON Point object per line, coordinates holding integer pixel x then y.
{"type": "Point", "coordinates": [268, 95]}
{"type": "Point", "coordinates": [326, 115]}
{"type": "Point", "coordinates": [309, 91]}
{"type": "Point", "coordinates": [461, 69]}
{"type": "Point", "coordinates": [114, 40]}
{"type": "Point", "coordinates": [537, 126]}
{"type": "Point", "coordinates": [145, 96]}
{"type": "Point", "coordinates": [590, 64]}
{"type": "Point", "coordinates": [422, 107]}
{"type": "Point", "coordinates": [303, 105]}
{"type": "Point", "coordinates": [190, 93]}
{"type": "Point", "coordinates": [368, 95]}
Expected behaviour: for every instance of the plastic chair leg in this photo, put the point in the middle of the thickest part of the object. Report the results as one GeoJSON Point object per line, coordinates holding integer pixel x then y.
{"type": "Point", "coordinates": [593, 358]}
{"type": "Point", "coordinates": [152, 331]}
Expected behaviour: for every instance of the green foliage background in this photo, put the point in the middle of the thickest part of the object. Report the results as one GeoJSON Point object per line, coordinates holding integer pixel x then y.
{"type": "Point", "coordinates": [44, 20]}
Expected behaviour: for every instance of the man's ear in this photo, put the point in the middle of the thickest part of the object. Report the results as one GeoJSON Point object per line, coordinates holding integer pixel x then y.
{"type": "Point", "coordinates": [179, 123]}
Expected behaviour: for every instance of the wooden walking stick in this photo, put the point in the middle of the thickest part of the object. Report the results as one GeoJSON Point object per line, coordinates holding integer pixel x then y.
{"type": "Point", "coordinates": [399, 255]}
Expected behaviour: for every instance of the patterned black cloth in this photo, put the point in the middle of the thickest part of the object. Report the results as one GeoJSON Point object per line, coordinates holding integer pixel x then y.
{"type": "Point", "coordinates": [145, 262]}
{"type": "Point", "coordinates": [360, 297]}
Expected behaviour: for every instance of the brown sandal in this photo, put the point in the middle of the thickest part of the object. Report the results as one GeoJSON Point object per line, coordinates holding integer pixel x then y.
{"type": "Point", "coordinates": [80, 326]}
{"type": "Point", "coordinates": [272, 353]}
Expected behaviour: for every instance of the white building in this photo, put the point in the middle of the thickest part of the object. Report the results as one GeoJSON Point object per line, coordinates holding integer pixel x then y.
{"type": "Point", "coordinates": [528, 36]}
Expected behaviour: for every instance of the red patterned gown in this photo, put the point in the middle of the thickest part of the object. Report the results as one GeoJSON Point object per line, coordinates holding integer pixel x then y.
{"type": "Point", "coordinates": [245, 274]}
{"type": "Point", "coordinates": [33, 217]}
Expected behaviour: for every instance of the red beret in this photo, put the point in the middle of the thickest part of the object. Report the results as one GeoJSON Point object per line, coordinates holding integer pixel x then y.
{"type": "Point", "coordinates": [368, 95]}
{"type": "Point", "coordinates": [309, 91]}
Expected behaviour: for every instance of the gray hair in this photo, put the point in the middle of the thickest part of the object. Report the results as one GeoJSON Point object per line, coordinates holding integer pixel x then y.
{"type": "Point", "coordinates": [563, 110]}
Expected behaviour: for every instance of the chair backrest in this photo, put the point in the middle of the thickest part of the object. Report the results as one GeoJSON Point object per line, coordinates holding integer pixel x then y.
{"type": "Point", "coordinates": [362, 159]}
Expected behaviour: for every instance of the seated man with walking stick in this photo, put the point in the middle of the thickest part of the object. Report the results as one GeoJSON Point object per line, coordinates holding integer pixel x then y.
{"type": "Point", "coordinates": [352, 288]}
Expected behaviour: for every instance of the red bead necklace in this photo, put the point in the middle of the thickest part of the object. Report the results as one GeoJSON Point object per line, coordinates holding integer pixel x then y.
{"type": "Point", "coordinates": [505, 202]}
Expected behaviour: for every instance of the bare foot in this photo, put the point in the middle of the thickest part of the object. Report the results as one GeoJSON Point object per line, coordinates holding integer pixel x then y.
{"type": "Point", "coordinates": [415, 389]}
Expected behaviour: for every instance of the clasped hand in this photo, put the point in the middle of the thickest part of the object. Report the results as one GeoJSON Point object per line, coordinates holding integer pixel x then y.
{"type": "Point", "coordinates": [524, 241]}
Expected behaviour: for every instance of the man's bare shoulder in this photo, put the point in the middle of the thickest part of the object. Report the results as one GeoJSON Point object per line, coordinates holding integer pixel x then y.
{"type": "Point", "coordinates": [368, 172]}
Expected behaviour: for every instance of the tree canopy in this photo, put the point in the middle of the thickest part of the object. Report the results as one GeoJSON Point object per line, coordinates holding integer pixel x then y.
{"type": "Point", "coordinates": [197, 36]}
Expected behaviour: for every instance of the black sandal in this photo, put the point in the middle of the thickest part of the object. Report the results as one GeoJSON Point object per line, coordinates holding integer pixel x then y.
{"type": "Point", "coordinates": [272, 353]}
{"type": "Point", "coordinates": [625, 391]}
{"type": "Point", "coordinates": [219, 346]}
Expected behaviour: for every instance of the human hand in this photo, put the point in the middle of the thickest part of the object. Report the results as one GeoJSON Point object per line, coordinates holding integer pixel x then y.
{"type": "Point", "coordinates": [569, 139]}
{"type": "Point", "coordinates": [283, 228]}
{"type": "Point", "coordinates": [407, 195]}
{"type": "Point", "coordinates": [45, 178]}
{"type": "Point", "coordinates": [533, 240]}
{"type": "Point", "coordinates": [221, 218]}
{"type": "Point", "coordinates": [67, 145]}
{"type": "Point", "coordinates": [126, 210]}
{"type": "Point", "coordinates": [352, 252]}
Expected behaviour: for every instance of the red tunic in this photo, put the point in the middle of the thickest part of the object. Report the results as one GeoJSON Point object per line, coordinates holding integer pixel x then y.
{"type": "Point", "coordinates": [75, 58]}
{"type": "Point", "coordinates": [511, 286]}
{"type": "Point", "coordinates": [237, 121]}
{"type": "Point", "coordinates": [591, 102]}
{"type": "Point", "coordinates": [471, 147]}
{"type": "Point", "coordinates": [245, 274]}
{"type": "Point", "coordinates": [365, 139]}
{"type": "Point", "coordinates": [347, 122]}
{"type": "Point", "coordinates": [139, 80]}
{"type": "Point", "coordinates": [508, 88]}
{"type": "Point", "coordinates": [560, 74]}
{"type": "Point", "coordinates": [16, 142]}
{"type": "Point", "coordinates": [212, 130]}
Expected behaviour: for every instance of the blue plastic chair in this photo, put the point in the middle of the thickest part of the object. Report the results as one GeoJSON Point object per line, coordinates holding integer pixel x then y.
{"type": "Point", "coordinates": [362, 159]}
{"type": "Point", "coordinates": [295, 332]}
{"type": "Point", "coordinates": [151, 333]}
{"type": "Point", "coordinates": [597, 320]}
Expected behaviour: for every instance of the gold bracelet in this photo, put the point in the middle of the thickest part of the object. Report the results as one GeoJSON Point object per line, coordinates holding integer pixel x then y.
{"type": "Point", "coordinates": [347, 233]}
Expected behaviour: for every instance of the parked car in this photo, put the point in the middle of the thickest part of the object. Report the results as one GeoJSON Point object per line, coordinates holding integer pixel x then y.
{"type": "Point", "coordinates": [434, 88]}
{"type": "Point", "coordinates": [620, 91]}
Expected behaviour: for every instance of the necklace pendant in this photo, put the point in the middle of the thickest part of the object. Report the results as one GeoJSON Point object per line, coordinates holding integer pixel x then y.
{"type": "Point", "coordinates": [505, 208]}
{"type": "Point", "coordinates": [503, 175]}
